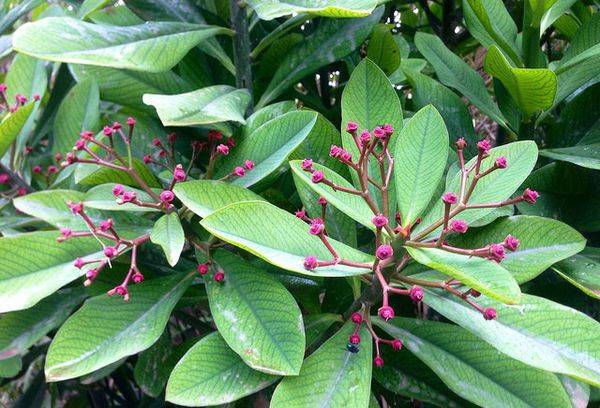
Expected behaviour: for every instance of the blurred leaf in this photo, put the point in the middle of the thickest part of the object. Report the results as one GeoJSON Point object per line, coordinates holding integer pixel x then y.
{"type": "Point", "coordinates": [16, 12]}
{"type": "Point", "coordinates": [334, 8]}
{"type": "Point", "coordinates": [168, 233]}
{"type": "Point", "coordinates": [12, 124]}
{"type": "Point", "coordinates": [89, 6]}
{"type": "Point", "coordinates": [383, 50]}
{"type": "Point", "coordinates": [10, 367]}
{"type": "Point", "coordinates": [583, 271]}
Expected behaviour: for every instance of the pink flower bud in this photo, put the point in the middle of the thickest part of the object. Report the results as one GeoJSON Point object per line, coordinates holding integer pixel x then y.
{"type": "Point", "coordinates": [171, 137]}
{"type": "Point", "coordinates": [501, 162]}
{"type": "Point", "coordinates": [497, 252]}
{"type": "Point", "coordinates": [131, 121]}
{"type": "Point", "coordinates": [489, 313]}
{"type": "Point", "coordinates": [484, 146]}
{"type": "Point", "coordinates": [461, 143]}
{"type": "Point", "coordinates": [107, 131]}
{"type": "Point", "coordinates": [365, 137]}
{"type": "Point", "coordinates": [21, 99]}
{"type": "Point", "coordinates": [215, 135]}
{"type": "Point", "coordinates": [351, 127]}
{"type": "Point", "coordinates": [378, 361]}
{"type": "Point", "coordinates": [71, 158]}
{"type": "Point", "coordinates": [354, 339]}
{"type": "Point", "coordinates": [300, 214]}
{"type": "Point", "coordinates": [379, 133]}
{"type": "Point", "coordinates": [179, 173]}
{"type": "Point", "coordinates": [317, 176]}
{"type": "Point", "coordinates": [511, 243]}
{"type": "Point", "coordinates": [4, 178]}
{"type": "Point", "coordinates": [310, 263]}
{"type": "Point", "coordinates": [79, 144]}
{"type": "Point", "coordinates": [322, 201]}
{"type": "Point", "coordinates": [3, 87]}
{"type": "Point", "coordinates": [219, 276]}
{"type": "Point", "coordinates": [396, 344]}
{"type": "Point", "coordinates": [384, 252]}
{"type": "Point", "coordinates": [118, 189]}
{"type": "Point", "coordinates": [306, 164]}
{"type": "Point", "coordinates": [416, 293]}
{"type": "Point", "coordinates": [316, 226]}
{"type": "Point", "coordinates": [449, 198]}
{"type": "Point", "coordinates": [530, 196]}
{"type": "Point", "coordinates": [147, 159]}
{"type": "Point", "coordinates": [58, 157]}
{"type": "Point", "coordinates": [92, 274]}
{"type": "Point", "coordinates": [356, 318]}
{"type": "Point", "coordinates": [386, 312]}
{"type": "Point", "coordinates": [75, 208]}
{"type": "Point", "coordinates": [116, 126]}
{"type": "Point", "coordinates": [459, 226]}
{"type": "Point", "coordinates": [230, 142]}
{"type": "Point", "coordinates": [249, 164]}
{"type": "Point", "coordinates": [239, 171]}
{"type": "Point", "coordinates": [202, 268]}
{"type": "Point", "coordinates": [52, 169]}
{"type": "Point", "coordinates": [137, 277]}
{"type": "Point", "coordinates": [87, 134]}
{"type": "Point", "coordinates": [129, 196]}
{"type": "Point", "coordinates": [475, 293]}
{"type": "Point", "coordinates": [198, 145]}
{"type": "Point", "coordinates": [379, 220]}
{"type": "Point", "coordinates": [223, 149]}
{"type": "Point", "coordinates": [79, 263]}
{"type": "Point", "coordinates": [156, 142]}
{"type": "Point", "coordinates": [28, 149]}
{"type": "Point", "coordinates": [167, 196]}
{"type": "Point", "coordinates": [36, 97]}
{"type": "Point", "coordinates": [335, 151]}
{"type": "Point", "coordinates": [21, 191]}
{"type": "Point", "coordinates": [346, 156]}
{"type": "Point", "coordinates": [37, 169]}
{"type": "Point", "coordinates": [106, 224]}
{"type": "Point", "coordinates": [388, 129]}
{"type": "Point", "coordinates": [66, 232]}
{"type": "Point", "coordinates": [110, 252]}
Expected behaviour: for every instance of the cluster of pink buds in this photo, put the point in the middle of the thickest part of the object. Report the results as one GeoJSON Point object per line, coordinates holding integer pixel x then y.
{"type": "Point", "coordinates": [204, 268]}
{"type": "Point", "coordinates": [20, 100]}
{"type": "Point", "coordinates": [354, 340]}
{"type": "Point", "coordinates": [105, 231]}
{"type": "Point", "coordinates": [48, 174]}
{"type": "Point", "coordinates": [387, 266]}
{"type": "Point", "coordinates": [15, 189]}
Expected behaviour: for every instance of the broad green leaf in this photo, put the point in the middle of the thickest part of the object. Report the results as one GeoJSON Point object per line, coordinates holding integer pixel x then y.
{"type": "Point", "coordinates": [475, 370]}
{"type": "Point", "coordinates": [537, 332]}
{"type": "Point", "coordinates": [331, 376]}
{"type": "Point", "coordinates": [150, 47]}
{"type": "Point", "coordinates": [256, 315]}
{"type": "Point", "coordinates": [10, 367]}
{"type": "Point", "coordinates": [266, 114]}
{"type": "Point", "coordinates": [92, 175]}
{"type": "Point", "coordinates": [12, 125]}
{"type": "Point", "coordinates": [383, 50]}
{"type": "Point", "coordinates": [107, 329]}
{"type": "Point", "coordinates": [407, 65]}
{"type": "Point", "coordinates": [587, 156]}
{"type": "Point", "coordinates": [452, 71]}
{"type": "Point", "coordinates": [22, 329]}
{"type": "Point", "coordinates": [17, 11]}
{"type": "Point", "coordinates": [127, 87]}
{"type": "Point", "coordinates": [538, 9]}
{"type": "Point", "coordinates": [554, 12]}
{"type": "Point", "coordinates": [584, 46]}
{"type": "Point", "coordinates": [203, 197]}
{"type": "Point", "coordinates": [337, 8]}
{"type": "Point", "coordinates": [102, 198]}
{"type": "Point", "coordinates": [332, 40]}
{"type": "Point", "coordinates": [78, 111]}
{"type": "Point", "coordinates": [583, 271]}
{"type": "Point", "coordinates": [543, 242]}
{"type": "Point", "coordinates": [219, 103]}
{"type": "Point", "coordinates": [116, 15]}
{"type": "Point", "coordinates": [577, 78]}
{"type": "Point", "coordinates": [497, 186]}
{"type": "Point", "coordinates": [34, 266]}
{"type": "Point", "coordinates": [268, 147]}
{"type": "Point", "coordinates": [210, 373]}
{"type": "Point", "coordinates": [26, 76]}
{"type": "Point", "coordinates": [490, 23]}
{"type": "Point", "coordinates": [533, 89]}
{"type": "Point", "coordinates": [89, 6]}
{"type": "Point", "coordinates": [483, 275]}
{"type": "Point", "coordinates": [352, 205]}
{"type": "Point", "coordinates": [316, 324]}
{"type": "Point", "coordinates": [168, 233]}
{"type": "Point", "coordinates": [279, 238]}
{"type": "Point", "coordinates": [419, 162]}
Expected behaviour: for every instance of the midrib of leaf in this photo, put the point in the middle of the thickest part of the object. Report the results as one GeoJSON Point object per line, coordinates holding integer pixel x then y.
{"type": "Point", "coordinates": [122, 333]}
{"type": "Point", "coordinates": [326, 401]}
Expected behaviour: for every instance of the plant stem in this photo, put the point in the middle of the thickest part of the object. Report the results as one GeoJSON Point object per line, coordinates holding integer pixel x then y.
{"type": "Point", "coordinates": [241, 48]}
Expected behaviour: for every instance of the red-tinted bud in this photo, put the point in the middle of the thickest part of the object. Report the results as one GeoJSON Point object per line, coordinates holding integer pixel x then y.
{"type": "Point", "coordinates": [322, 201]}
{"type": "Point", "coordinates": [179, 173]}
{"type": "Point", "coordinates": [484, 146]}
{"type": "Point", "coordinates": [21, 191]}
{"type": "Point", "coordinates": [167, 196]}
{"type": "Point", "coordinates": [36, 97]}
{"type": "Point", "coordinates": [378, 361]}
{"type": "Point", "coordinates": [449, 198]}
{"type": "Point", "coordinates": [530, 196]}
{"type": "Point", "coordinates": [310, 263]}
{"type": "Point", "coordinates": [79, 263]}
{"type": "Point", "coordinates": [219, 276]}
{"type": "Point", "coordinates": [37, 169]}
{"type": "Point", "coordinates": [316, 226]}
{"type": "Point", "coordinates": [384, 252]}
{"type": "Point", "coordinates": [306, 164]}
{"type": "Point", "coordinates": [239, 171]}
{"type": "Point", "coordinates": [379, 220]}
{"type": "Point", "coordinates": [4, 178]}
{"type": "Point", "coordinates": [230, 142]}
{"type": "Point", "coordinates": [300, 214]}
{"type": "Point", "coordinates": [107, 131]}
{"type": "Point", "coordinates": [317, 176]}
{"type": "Point", "coordinates": [249, 164]}
{"type": "Point", "coordinates": [335, 151]}
{"type": "Point", "coordinates": [223, 149]}
{"type": "Point", "coordinates": [79, 144]}
{"type": "Point", "coordinates": [379, 133]}
{"type": "Point", "coordinates": [156, 142]}
{"type": "Point", "coordinates": [416, 293]}
{"type": "Point", "coordinates": [129, 196]}
{"type": "Point", "coordinates": [110, 252]}
{"type": "Point", "coordinates": [147, 159]}
{"type": "Point", "coordinates": [66, 232]}
{"type": "Point", "coordinates": [351, 127]}
{"type": "Point", "coordinates": [75, 208]}
{"type": "Point", "coordinates": [71, 158]}
{"type": "Point", "coordinates": [461, 144]}
{"type": "Point", "coordinates": [137, 277]}
{"type": "Point", "coordinates": [511, 243]}
{"type": "Point", "coordinates": [116, 126]}
{"type": "Point", "coordinates": [354, 339]}
{"type": "Point", "coordinates": [489, 313]}
{"type": "Point", "coordinates": [202, 268]}
{"type": "Point", "coordinates": [396, 344]}
{"type": "Point", "coordinates": [365, 136]}
{"type": "Point", "coordinates": [386, 313]}
{"type": "Point", "coordinates": [388, 129]}
{"type": "Point", "coordinates": [106, 224]}
{"type": "Point", "coordinates": [356, 318]}
{"type": "Point", "coordinates": [497, 252]}
{"type": "Point", "coordinates": [118, 189]}
{"type": "Point", "coordinates": [501, 162]}
{"type": "Point", "coordinates": [215, 135]}
{"type": "Point", "coordinates": [131, 121]}
{"type": "Point", "coordinates": [52, 169]}
{"type": "Point", "coordinates": [3, 87]}
{"type": "Point", "coordinates": [87, 134]}
{"type": "Point", "coordinates": [459, 226]}
{"type": "Point", "coordinates": [171, 137]}
{"type": "Point", "coordinates": [58, 157]}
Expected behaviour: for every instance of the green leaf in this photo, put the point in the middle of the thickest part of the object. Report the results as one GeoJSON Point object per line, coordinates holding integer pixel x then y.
{"type": "Point", "coordinates": [107, 329]}
{"type": "Point", "coordinates": [10, 367]}
{"type": "Point", "coordinates": [587, 156]}
{"type": "Point", "coordinates": [204, 197]}
{"type": "Point", "coordinates": [336, 8]}
{"type": "Point", "coordinates": [168, 233]}
{"type": "Point", "coordinates": [554, 12]}
{"type": "Point", "coordinates": [256, 315]}
{"type": "Point", "coordinates": [584, 46]}
{"type": "Point", "coordinates": [279, 238]}
{"type": "Point", "coordinates": [483, 275]}
{"type": "Point", "coordinates": [543, 242]}
{"type": "Point", "coordinates": [210, 373]}
{"type": "Point", "coordinates": [490, 23]}
{"type": "Point", "coordinates": [17, 11]}
{"type": "Point", "coordinates": [22, 329]}
{"type": "Point", "coordinates": [150, 47]}
{"type": "Point", "coordinates": [116, 15]}
{"type": "Point", "coordinates": [419, 162]}
{"type": "Point", "coordinates": [452, 71]}
{"type": "Point", "coordinates": [266, 114]}
{"type": "Point", "coordinates": [331, 376]}
{"type": "Point", "coordinates": [89, 6]}
{"type": "Point", "coordinates": [537, 332]}
{"type": "Point", "coordinates": [383, 49]}
{"type": "Point", "coordinates": [102, 198]}
{"type": "Point", "coordinates": [533, 89]}
{"type": "Point", "coordinates": [583, 271]}
{"type": "Point", "coordinates": [268, 147]}
{"type": "Point", "coordinates": [92, 175]}
{"type": "Point", "coordinates": [332, 40]}
{"type": "Point", "coordinates": [316, 324]}
{"type": "Point", "coordinates": [78, 111]}
{"type": "Point", "coordinates": [497, 186]}
{"type": "Point", "coordinates": [219, 103]}
{"type": "Point", "coordinates": [11, 126]}
{"type": "Point", "coordinates": [34, 266]}
{"type": "Point", "coordinates": [475, 370]}
{"type": "Point", "coordinates": [352, 205]}
{"type": "Point", "coordinates": [26, 76]}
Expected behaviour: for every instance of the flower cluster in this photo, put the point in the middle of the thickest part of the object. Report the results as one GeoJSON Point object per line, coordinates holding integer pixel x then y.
{"type": "Point", "coordinates": [204, 268]}
{"type": "Point", "coordinates": [388, 266]}
{"type": "Point", "coordinates": [360, 319]}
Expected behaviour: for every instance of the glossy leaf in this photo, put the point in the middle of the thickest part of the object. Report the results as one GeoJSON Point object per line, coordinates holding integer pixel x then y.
{"type": "Point", "coordinates": [383, 49]}
{"type": "Point", "coordinates": [258, 318]}
{"type": "Point", "coordinates": [331, 376]}
{"type": "Point", "coordinates": [168, 233]}
{"type": "Point", "coordinates": [533, 89]}
{"type": "Point", "coordinates": [279, 238]}
{"type": "Point", "coordinates": [34, 266]}
{"type": "Point", "coordinates": [419, 162]}
{"type": "Point", "coordinates": [11, 126]}
{"type": "Point", "coordinates": [219, 103]}
{"type": "Point", "coordinates": [102, 198]}
{"type": "Point", "coordinates": [475, 370]}
{"type": "Point", "coordinates": [537, 332]}
{"type": "Point", "coordinates": [483, 275]}
{"type": "Point", "coordinates": [332, 40]}
{"type": "Point", "coordinates": [543, 242]}
{"type": "Point", "coordinates": [210, 373]}
{"type": "Point", "coordinates": [26, 76]}
{"type": "Point", "coordinates": [16, 12]}
{"type": "Point", "coordinates": [587, 156]}
{"type": "Point", "coordinates": [268, 147]}
{"type": "Point", "coordinates": [316, 324]}
{"type": "Point", "coordinates": [150, 47]}
{"type": "Point", "coordinates": [78, 111]}
{"type": "Point", "coordinates": [336, 8]}
{"type": "Point", "coordinates": [584, 46]}
{"type": "Point", "coordinates": [107, 329]}
{"type": "Point", "coordinates": [583, 271]}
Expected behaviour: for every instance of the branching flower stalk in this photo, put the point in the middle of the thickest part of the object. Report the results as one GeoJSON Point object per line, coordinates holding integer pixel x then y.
{"type": "Point", "coordinates": [374, 145]}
